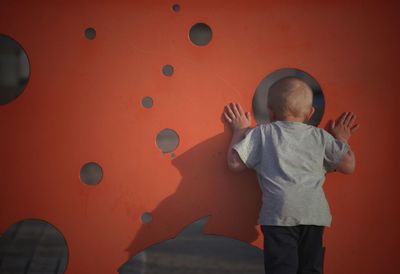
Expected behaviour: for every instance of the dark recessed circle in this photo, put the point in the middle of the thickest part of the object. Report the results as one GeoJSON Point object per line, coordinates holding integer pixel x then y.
{"type": "Point", "coordinates": [230, 255]}
{"type": "Point", "coordinates": [147, 102]}
{"type": "Point", "coordinates": [167, 140]}
{"type": "Point", "coordinates": [33, 246]}
{"type": "Point", "coordinates": [176, 7]}
{"type": "Point", "coordinates": [146, 218]}
{"type": "Point", "coordinates": [200, 34]}
{"type": "Point", "coordinates": [91, 173]}
{"type": "Point", "coordinates": [14, 69]}
{"type": "Point", "coordinates": [168, 70]}
{"type": "Point", "coordinates": [90, 33]}
{"type": "Point", "coordinates": [261, 94]}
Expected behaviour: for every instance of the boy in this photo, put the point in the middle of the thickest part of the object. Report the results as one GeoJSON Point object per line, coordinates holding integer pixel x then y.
{"type": "Point", "coordinates": [291, 159]}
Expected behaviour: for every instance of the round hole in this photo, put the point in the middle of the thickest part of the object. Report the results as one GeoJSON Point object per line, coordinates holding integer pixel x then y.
{"type": "Point", "coordinates": [91, 174]}
{"type": "Point", "coordinates": [146, 218]}
{"type": "Point", "coordinates": [200, 34]}
{"type": "Point", "coordinates": [167, 140]}
{"type": "Point", "coordinates": [147, 102]}
{"type": "Point", "coordinates": [33, 246]}
{"type": "Point", "coordinates": [176, 7]}
{"type": "Point", "coordinates": [90, 33]}
{"type": "Point", "coordinates": [14, 69]}
{"type": "Point", "coordinates": [168, 70]}
{"type": "Point", "coordinates": [261, 94]}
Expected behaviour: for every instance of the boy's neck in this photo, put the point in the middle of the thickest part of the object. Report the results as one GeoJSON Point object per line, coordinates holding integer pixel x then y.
{"type": "Point", "coordinates": [292, 119]}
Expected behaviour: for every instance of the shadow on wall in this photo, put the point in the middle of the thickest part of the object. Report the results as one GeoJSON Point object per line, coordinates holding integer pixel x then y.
{"type": "Point", "coordinates": [236, 208]}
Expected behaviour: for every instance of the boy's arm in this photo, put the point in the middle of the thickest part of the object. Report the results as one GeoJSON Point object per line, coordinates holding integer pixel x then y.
{"type": "Point", "coordinates": [347, 164]}
{"type": "Point", "coordinates": [235, 163]}
{"type": "Point", "coordinates": [240, 124]}
{"type": "Point", "coordinates": [342, 130]}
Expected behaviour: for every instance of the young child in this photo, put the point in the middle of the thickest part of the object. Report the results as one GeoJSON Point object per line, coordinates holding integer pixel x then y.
{"type": "Point", "coordinates": [291, 159]}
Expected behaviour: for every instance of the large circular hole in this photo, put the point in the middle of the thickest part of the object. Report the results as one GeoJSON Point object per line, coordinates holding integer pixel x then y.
{"type": "Point", "coordinates": [90, 33]}
{"type": "Point", "coordinates": [33, 246]}
{"type": "Point", "coordinates": [91, 173]}
{"type": "Point", "coordinates": [167, 140]}
{"type": "Point", "coordinates": [228, 255]}
{"type": "Point", "coordinates": [200, 34]}
{"type": "Point", "coordinates": [261, 94]}
{"type": "Point", "coordinates": [14, 69]}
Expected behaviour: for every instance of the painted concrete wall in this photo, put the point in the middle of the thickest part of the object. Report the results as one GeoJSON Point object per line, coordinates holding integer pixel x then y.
{"type": "Point", "coordinates": [83, 104]}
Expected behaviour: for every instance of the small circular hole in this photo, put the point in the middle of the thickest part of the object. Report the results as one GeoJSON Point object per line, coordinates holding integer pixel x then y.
{"type": "Point", "coordinates": [90, 33]}
{"type": "Point", "coordinates": [200, 34]}
{"type": "Point", "coordinates": [168, 70]}
{"type": "Point", "coordinates": [91, 173]}
{"type": "Point", "coordinates": [147, 102]}
{"type": "Point", "coordinates": [146, 218]}
{"type": "Point", "coordinates": [176, 7]}
{"type": "Point", "coordinates": [167, 140]}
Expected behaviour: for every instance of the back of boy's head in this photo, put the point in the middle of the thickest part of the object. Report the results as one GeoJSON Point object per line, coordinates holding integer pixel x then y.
{"type": "Point", "coordinates": [290, 96]}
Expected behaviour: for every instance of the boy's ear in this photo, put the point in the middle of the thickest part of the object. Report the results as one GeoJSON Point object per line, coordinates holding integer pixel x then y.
{"type": "Point", "coordinates": [310, 113]}
{"type": "Point", "coordinates": [271, 115]}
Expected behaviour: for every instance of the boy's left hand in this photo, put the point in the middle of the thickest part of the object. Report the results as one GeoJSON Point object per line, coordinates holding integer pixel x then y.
{"type": "Point", "coordinates": [343, 127]}
{"type": "Point", "coordinates": [236, 117]}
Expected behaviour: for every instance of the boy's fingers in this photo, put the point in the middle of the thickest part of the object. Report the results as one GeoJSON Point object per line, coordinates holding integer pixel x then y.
{"type": "Point", "coordinates": [227, 117]}
{"type": "Point", "coordinates": [352, 120]}
{"type": "Point", "coordinates": [248, 116]}
{"type": "Point", "coordinates": [333, 124]}
{"type": "Point", "coordinates": [241, 111]}
{"type": "Point", "coordinates": [341, 118]}
{"type": "Point", "coordinates": [235, 110]}
{"type": "Point", "coordinates": [230, 112]}
{"type": "Point", "coordinates": [354, 128]}
{"type": "Point", "coordinates": [348, 118]}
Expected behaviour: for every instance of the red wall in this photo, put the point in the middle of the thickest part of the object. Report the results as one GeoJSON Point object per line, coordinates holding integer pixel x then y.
{"type": "Point", "coordinates": [83, 103]}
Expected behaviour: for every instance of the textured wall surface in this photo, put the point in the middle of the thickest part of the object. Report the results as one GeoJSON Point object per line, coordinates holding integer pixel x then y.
{"type": "Point", "coordinates": [83, 104]}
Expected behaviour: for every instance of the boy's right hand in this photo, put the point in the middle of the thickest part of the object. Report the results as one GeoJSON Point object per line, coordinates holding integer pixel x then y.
{"type": "Point", "coordinates": [343, 127]}
{"type": "Point", "coordinates": [237, 118]}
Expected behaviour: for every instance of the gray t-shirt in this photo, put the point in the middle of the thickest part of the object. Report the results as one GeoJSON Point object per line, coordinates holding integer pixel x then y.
{"type": "Point", "coordinates": [291, 159]}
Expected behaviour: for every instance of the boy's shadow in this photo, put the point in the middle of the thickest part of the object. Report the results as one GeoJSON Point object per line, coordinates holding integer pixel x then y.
{"type": "Point", "coordinates": [208, 187]}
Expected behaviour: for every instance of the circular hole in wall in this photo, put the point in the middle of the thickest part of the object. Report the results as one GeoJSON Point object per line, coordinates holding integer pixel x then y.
{"type": "Point", "coordinates": [90, 33]}
{"type": "Point", "coordinates": [147, 102]}
{"type": "Point", "coordinates": [146, 218]}
{"type": "Point", "coordinates": [91, 173]}
{"type": "Point", "coordinates": [176, 7]}
{"type": "Point", "coordinates": [33, 246]}
{"type": "Point", "coordinates": [168, 70]}
{"type": "Point", "coordinates": [14, 69]}
{"type": "Point", "coordinates": [167, 140]}
{"type": "Point", "coordinates": [200, 34]}
{"type": "Point", "coordinates": [229, 254]}
{"type": "Point", "coordinates": [261, 94]}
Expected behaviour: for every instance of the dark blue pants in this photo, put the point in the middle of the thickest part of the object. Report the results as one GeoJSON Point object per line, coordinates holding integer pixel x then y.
{"type": "Point", "coordinates": [293, 249]}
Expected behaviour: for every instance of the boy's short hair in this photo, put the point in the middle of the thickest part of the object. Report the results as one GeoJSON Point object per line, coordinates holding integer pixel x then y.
{"type": "Point", "coordinates": [290, 96]}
